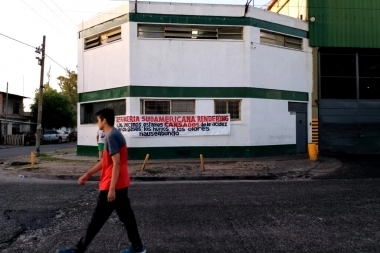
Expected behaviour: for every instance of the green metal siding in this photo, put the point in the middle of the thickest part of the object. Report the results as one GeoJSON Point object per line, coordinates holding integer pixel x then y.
{"type": "Point", "coordinates": [345, 23]}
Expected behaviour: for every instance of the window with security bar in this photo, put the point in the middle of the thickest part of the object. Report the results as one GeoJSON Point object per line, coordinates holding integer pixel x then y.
{"type": "Point", "coordinates": [88, 110]}
{"type": "Point", "coordinates": [280, 40]}
{"type": "Point", "coordinates": [179, 107]}
{"type": "Point", "coordinates": [102, 38]}
{"type": "Point", "coordinates": [190, 32]}
{"type": "Point", "coordinates": [231, 107]}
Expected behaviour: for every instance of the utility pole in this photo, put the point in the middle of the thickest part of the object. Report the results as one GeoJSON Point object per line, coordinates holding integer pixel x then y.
{"type": "Point", "coordinates": [6, 117]}
{"type": "Point", "coordinates": [41, 61]}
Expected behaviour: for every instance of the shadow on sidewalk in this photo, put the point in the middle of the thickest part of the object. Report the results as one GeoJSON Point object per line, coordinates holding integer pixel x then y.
{"type": "Point", "coordinates": [356, 166]}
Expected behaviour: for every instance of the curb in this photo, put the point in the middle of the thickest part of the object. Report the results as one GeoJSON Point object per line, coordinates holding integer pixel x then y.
{"type": "Point", "coordinates": [161, 179]}
{"type": "Point", "coordinates": [191, 160]}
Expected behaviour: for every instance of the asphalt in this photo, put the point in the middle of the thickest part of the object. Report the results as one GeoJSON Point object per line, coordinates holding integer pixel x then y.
{"type": "Point", "coordinates": [262, 216]}
{"type": "Point", "coordinates": [9, 151]}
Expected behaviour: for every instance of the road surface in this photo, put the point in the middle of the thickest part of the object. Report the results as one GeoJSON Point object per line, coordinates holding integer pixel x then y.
{"type": "Point", "coordinates": [25, 150]}
{"type": "Point", "coordinates": [265, 216]}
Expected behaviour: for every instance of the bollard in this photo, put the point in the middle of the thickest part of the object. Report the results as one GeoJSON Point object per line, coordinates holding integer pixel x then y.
{"type": "Point", "coordinates": [32, 159]}
{"type": "Point", "coordinates": [202, 162]}
{"type": "Point", "coordinates": [313, 151]}
{"type": "Point", "coordinates": [145, 161]}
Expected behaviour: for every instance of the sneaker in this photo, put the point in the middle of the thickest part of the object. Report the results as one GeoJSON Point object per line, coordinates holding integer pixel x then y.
{"type": "Point", "coordinates": [67, 251]}
{"type": "Point", "coordinates": [136, 250]}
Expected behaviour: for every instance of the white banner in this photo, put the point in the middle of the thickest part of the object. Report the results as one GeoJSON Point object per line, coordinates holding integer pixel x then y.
{"type": "Point", "coordinates": [173, 125]}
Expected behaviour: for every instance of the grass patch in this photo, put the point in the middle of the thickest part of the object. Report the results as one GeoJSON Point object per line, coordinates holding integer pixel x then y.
{"type": "Point", "coordinates": [46, 158]}
{"type": "Point", "coordinates": [153, 172]}
{"type": "Point", "coordinates": [51, 158]}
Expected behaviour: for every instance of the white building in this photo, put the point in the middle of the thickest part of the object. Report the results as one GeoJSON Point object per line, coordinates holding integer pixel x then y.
{"type": "Point", "coordinates": [198, 59]}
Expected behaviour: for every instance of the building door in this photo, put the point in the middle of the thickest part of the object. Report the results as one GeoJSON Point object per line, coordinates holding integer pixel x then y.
{"type": "Point", "coordinates": [301, 132]}
{"type": "Point", "coordinates": [300, 109]}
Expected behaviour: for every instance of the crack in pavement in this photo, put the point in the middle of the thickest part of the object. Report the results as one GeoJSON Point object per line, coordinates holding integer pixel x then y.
{"type": "Point", "coordinates": [26, 220]}
{"type": "Point", "coordinates": [230, 221]}
{"type": "Point", "coordinates": [22, 229]}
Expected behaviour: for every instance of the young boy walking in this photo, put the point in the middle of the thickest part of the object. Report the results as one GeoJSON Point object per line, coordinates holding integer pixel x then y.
{"type": "Point", "coordinates": [113, 186]}
{"type": "Point", "coordinates": [100, 138]}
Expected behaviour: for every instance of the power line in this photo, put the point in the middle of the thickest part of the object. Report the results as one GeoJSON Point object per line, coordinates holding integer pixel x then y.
{"type": "Point", "coordinates": [54, 61]}
{"type": "Point", "coordinates": [63, 12]}
{"type": "Point", "coordinates": [32, 47]}
{"type": "Point", "coordinates": [17, 40]}
{"type": "Point", "coordinates": [55, 13]}
{"type": "Point", "coordinates": [39, 15]}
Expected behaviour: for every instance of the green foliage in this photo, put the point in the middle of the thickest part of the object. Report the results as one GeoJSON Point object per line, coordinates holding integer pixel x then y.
{"type": "Point", "coordinates": [68, 85]}
{"type": "Point", "coordinates": [57, 110]}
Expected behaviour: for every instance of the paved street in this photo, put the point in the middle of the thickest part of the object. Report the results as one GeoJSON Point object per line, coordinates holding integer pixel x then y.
{"type": "Point", "coordinates": [25, 150]}
{"type": "Point", "coordinates": [275, 216]}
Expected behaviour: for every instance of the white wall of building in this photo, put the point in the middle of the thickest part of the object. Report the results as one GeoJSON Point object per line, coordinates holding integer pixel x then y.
{"type": "Point", "coordinates": [189, 63]}
{"type": "Point", "coordinates": [203, 63]}
{"type": "Point", "coordinates": [264, 122]}
{"type": "Point", "coordinates": [104, 67]}
{"type": "Point", "coordinates": [275, 67]}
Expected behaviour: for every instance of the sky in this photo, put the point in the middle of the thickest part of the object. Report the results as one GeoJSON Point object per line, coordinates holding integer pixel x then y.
{"type": "Point", "coordinates": [28, 20]}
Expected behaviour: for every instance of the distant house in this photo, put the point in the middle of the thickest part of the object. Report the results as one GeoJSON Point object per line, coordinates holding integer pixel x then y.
{"type": "Point", "coordinates": [13, 119]}
{"type": "Point", "coordinates": [292, 8]}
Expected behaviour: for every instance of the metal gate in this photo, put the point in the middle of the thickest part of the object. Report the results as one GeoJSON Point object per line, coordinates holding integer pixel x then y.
{"type": "Point", "coordinates": [349, 101]}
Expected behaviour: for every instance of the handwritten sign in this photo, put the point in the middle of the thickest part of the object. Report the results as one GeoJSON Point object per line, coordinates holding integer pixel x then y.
{"type": "Point", "coordinates": [173, 125]}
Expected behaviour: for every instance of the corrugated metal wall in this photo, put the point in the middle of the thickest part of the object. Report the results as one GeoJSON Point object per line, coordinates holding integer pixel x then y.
{"type": "Point", "coordinates": [344, 23]}
{"type": "Point", "coordinates": [349, 122]}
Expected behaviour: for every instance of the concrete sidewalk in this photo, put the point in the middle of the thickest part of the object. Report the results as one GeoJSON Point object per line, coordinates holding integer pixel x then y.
{"type": "Point", "coordinates": [69, 166]}
{"type": "Point", "coordinates": [74, 157]}
{"type": "Point", "coordinates": [5, 146]}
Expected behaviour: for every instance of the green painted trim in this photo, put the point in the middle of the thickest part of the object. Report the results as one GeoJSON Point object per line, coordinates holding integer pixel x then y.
{"type": "Point", "coordinates": [193, 152]}
{"type": "Point", "coordinates": [119, 92]}
{"type": "Point", "coordinates": [104, 26]}
{"type": "Point", "coordinates": [216, 20]}
{"type": "Point", "coordinates": [192, 92]}
{"type": "Point", "coordinates": [192, 20]}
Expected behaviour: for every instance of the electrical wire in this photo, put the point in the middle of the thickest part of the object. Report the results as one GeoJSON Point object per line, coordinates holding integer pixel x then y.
{"type": "Point", "coordinates": [55, 61]}
{"type": "Point", "coordinates": [41, 16]}
{"type": "Point", "coordinates": [55, 13]}
{"type": "Point", "coordinates": [63, 12]}
{"type": "Point", "coordinates": [26, 44]}
{"type": "Point", "coordinates": [17, 40]}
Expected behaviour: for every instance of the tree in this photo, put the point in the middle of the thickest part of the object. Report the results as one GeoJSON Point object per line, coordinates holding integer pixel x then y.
{"type": "Point", "coordinates": [68, 85]}
{"type": "Point", "coordinates": [46, 86]}
{"type": "Point", "coordinates": [57, 110]}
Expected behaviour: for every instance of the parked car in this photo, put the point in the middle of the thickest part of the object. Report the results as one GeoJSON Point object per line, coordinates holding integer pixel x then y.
{"type": "Point", "coordinates": [63, 137]}
{"type": "Point", "coordinates": [73, 136]}
{"type": "Point", "coordinates": [29, 138]}
{"type": "Point", "coordinates": [55, 136]}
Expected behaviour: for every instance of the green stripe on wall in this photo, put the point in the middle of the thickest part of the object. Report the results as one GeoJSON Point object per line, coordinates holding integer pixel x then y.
{"type": "Point", "coordinates": [193, 152]}
{"type": "Point", "coordinates": [120, 92]}
{"type": "Point", "coordinates": [216, 20]}
{"type": "Point", "coordinates": [192, 92]}
{"type": "Point", "coordinates": [193, 20]}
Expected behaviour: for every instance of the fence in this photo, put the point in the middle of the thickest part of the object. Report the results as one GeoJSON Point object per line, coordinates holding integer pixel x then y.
{"type": "Point", "coordinates": [14, 140]}
{"type": "Point", "coordinates": [15, 134]}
